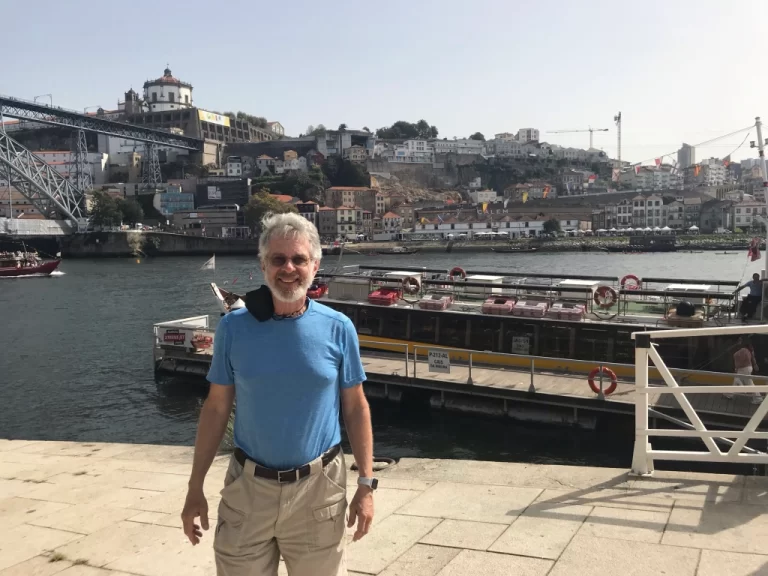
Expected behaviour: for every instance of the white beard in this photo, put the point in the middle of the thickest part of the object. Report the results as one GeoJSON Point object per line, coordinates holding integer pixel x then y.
{"type": "Point", "coordinates": [288, 296]}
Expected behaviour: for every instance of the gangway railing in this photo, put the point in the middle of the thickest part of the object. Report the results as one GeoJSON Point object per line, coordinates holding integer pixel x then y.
{"type": "Point", "coordinates": [644, 454]}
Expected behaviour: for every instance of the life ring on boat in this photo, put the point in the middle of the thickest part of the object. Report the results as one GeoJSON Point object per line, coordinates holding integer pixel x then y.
{"type": "Point", "coordinates": [411, 285]}
{"type": "Point", "coordinates": [635, 282]}
{"type": "Point", "coordinates": [608, 372]}
{"type": "Point", "coordinates": [457, 271]}
{"type": "Point", "coordinates": [605, 296]}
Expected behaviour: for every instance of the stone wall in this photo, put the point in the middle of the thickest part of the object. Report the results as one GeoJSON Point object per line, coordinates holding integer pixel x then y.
{"type": "Point", "coordinates": [122, 244]}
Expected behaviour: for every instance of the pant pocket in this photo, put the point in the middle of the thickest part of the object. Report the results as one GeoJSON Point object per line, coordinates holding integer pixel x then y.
{"type": "Point", "coordinates": [327, 525]}
{"type": "Point", "coordinates": [232, 512]}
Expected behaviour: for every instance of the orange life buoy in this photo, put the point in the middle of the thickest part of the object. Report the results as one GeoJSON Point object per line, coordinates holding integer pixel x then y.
{"type": "Point", "coordinates": [607, 372]}
{"type": "Point", "coordinates": [605, 296]}
{"type": "Point", "coordinates": [457, 271]}
{"type": "Point", "coordinates": [411, 285]}
{"type": "Point", "coordinates": [634, 286]}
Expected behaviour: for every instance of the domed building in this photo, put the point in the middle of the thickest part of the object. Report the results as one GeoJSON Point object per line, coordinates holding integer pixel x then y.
{"type": "Point", "coordinates": [167, 93]}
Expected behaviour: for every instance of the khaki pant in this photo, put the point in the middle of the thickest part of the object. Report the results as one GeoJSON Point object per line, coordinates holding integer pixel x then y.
{"type": "Point", "coordinates": [303, 521]}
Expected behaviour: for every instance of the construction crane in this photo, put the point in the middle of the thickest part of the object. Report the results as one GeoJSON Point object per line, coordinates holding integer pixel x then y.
{"type": "Point", "coordinates": [590, 130]}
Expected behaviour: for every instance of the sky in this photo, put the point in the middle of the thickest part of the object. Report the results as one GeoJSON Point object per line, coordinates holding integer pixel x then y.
{"type": "Point", "coordinates": [678, 70]}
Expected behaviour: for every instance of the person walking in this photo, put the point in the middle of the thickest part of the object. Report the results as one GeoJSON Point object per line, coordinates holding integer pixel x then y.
{"type": "Point", "coordinates": [744, 362]}
{"type": "Point", "coordinates": [292, 364]}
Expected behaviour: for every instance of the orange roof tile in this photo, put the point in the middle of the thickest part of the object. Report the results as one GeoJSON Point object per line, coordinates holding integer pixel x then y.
{"type": "Point", "coordinates": [282, 197]}
{"type": "Point", "coordinates": [391, 215]}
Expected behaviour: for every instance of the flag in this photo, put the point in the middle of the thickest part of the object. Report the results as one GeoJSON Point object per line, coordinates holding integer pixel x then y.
{"type": "Point", "coordinates": [546, 191]}
{"type": "Point", "coordinates": [506, 201]}
{"type": "Point", "coordinates": [615, 174]}
{"type": "Point", "coordinates": [592, 178]}
{"type": "Point", "coordinates": [525, 197]}
{"type": "Point", "coordinates": [210, 265]}
{"type": "Point", "coordinates": [485, 207]}
{"type": "Point", "coordinates": [753, 252]}
{"type": "Point", "coordinates": [637, 169]}
{"type": "Point", "coordinates": [696, 170]}
{"type": "Point", "coordinates": [658, 162]}
{"type": "Point", "coordinates": [727, 161]}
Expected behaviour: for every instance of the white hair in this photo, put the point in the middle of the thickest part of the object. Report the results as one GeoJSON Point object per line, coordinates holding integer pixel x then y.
{"type": "Point", "coordinates": [288, 225]}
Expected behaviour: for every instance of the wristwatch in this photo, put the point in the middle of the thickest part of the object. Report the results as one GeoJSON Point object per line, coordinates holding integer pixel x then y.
{"type": "Point", "coordinates": [372, 483]}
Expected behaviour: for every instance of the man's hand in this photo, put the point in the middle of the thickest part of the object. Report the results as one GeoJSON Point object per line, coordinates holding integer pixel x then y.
{"type": "Point", "coordinates": [361, 508]}
{"type": "Point", "coordinates": [194, 506]}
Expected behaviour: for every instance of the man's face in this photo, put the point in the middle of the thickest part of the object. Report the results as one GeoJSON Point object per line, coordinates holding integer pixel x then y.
{"type": "Point", "coordinates": [755, 277]}
{"type": "Point", "coordinates": [288, 268]}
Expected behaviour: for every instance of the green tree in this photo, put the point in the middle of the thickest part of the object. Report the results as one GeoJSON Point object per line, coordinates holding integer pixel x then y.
{"type": "Point", "coordinates": [261, 204]}
{"type": "Point", "coordinates": [366, 129]}
{"type": "Point", "coordinates": [477, 136]}
{"type": "Point", "coordinates": [402, 129]}
{"type": "Point", "coordinates": [105, 210]}
{"type": "Point", "coordinates": [130, 210]}
{"type": "Point", "coordinates": [342, 127]}
{"type": "Point", "coordinates": [552, 226]}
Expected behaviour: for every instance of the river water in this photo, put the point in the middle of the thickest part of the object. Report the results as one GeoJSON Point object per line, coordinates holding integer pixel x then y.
{"type": "Point", "coordinates": [76, 355]}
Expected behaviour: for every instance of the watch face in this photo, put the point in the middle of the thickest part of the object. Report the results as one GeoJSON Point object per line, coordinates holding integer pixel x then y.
{"type": "Point", "coordinates": [375, 483]}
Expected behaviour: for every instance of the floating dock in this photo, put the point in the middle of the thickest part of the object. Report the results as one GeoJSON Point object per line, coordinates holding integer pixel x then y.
{"type": "Point", "coordinates": [433, 377]}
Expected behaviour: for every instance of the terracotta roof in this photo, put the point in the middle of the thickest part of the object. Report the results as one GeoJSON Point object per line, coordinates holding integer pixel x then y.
{"type": "Point", "coordinates": [265, 157]}
{"type": "Point", "coordinates": [167, 78]}
{"type": "Point", "coordinates": [391, 215]}
{"type": "Point", "coordinates": [326, 208]}
{"type": "Point", "coordinates": [346, 208]}
{"type": "Point", "coordinates": [309, 202]}
{"type": "Point", "coordinates": [284, 198]}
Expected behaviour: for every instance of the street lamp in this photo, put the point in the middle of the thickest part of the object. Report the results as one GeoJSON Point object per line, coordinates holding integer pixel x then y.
{"type": "Point", "coordinates": [43, 96]}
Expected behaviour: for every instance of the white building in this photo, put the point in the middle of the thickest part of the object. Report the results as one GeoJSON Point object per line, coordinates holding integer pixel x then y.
{"type": "Point", "coordinates": [234, 166]}
{"type": "Point", "coordinates": [505, 137]}
{"type": "Point", "coordinates": [745, 213]}
{"type": "Point", "coordinates": [480, 196]}
{"type": "Point", "coordinates": [167, 93]}
{"type": "Point", "coordinates": [527, 135]}
{"type": "Point", "coordinates": [62, 161]}
{"type": "Point", "coordinates": [413, 151]}
{"type": "Point", "coordinates": [715, 172]}
{"type": "Point", "coordinates": [458, 146]}
{"type": "Point", "coordinates": [653, 178]}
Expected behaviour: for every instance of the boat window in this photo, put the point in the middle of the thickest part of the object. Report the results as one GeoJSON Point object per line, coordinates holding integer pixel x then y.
{"type": "Point", "coordinates": [453, 330]}
{"type": "Point", "coordinates": [395, 324]}
{"type": "Point", "coordinates": [484, 333]}
{"type": "Point", "coordinates": [623, 347]}
{"type": "Point", "coordinates": [369, 321]}
{"type": "Point", "coordinates": [555, 340]}
{"type": "Point", "coordinates": [423, 328]}
{"type": "Point", "coordinates": [594, 344]}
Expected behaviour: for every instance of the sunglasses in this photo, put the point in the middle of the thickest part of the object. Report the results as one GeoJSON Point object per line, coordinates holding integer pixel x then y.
{"type": "Point", "coordinates": [298, 261]}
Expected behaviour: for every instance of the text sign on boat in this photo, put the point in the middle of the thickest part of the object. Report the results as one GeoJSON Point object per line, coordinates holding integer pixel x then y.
{"type": "Point", "coordinates": [439, 361]}
{"type": "Point", "coordinates": [521, 345]}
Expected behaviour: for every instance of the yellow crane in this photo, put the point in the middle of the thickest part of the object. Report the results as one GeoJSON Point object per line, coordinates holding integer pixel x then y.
{"type": "Point", "coordinates": [590, 130]}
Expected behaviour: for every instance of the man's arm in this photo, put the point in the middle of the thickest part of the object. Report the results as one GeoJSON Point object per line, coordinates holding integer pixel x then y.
{"type": "Point", "coordinates": [357, 420]}
{"type": "Point", "coordinates": [210, 431]}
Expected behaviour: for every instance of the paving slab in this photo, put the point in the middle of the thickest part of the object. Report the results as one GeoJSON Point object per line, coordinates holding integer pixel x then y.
{"type": "Point", "coordinates": [718, 563]}
{"type": "Point", "coordinates": [37, 566]}
{"type": "Point", "coordinates": [462, 534]}
{"type": "Point", "coordinates": [393, 536]}
{"type": "Point", "coordinates": [542, 531]}
{"type": "Point", "coordinates": [624, 524]}
{"type": "Point", "coordinates": [484, 503]}
{"type": "Point", "coordinates": [474, 563]}
{"type": "Point", "coordinates": [20, 543]}
{"type": "Point", "coordinates": [608, 557]}
{"type": "Point", "coordinates": [17, 510]}
{"type": "Point", "coordinates": [421, 560]}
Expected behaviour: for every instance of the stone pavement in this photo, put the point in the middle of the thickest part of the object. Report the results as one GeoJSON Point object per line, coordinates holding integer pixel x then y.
{"type": "Point", "coordinates": [80, 509]}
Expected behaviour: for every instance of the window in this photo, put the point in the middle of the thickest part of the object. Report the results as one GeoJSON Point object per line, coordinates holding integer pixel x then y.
{"type": "Point", "coordinates": [395, 325]}
{"type": "Point", "coordinates": [453, 331]}
{"type": "Point", "coordinates": [154, 97]}
{"type": "Point", "coordinates": [186, 98]}
{"type": "Point", "coordinates": [171, 97]}
{"type": "Point", "coordinates": [423, 328]}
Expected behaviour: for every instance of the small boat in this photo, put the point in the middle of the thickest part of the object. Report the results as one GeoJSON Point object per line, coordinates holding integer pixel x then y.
{"type": "Point", "coordinates": [25, 264]}
{"type": "Point", "coordinates": [396, 250]}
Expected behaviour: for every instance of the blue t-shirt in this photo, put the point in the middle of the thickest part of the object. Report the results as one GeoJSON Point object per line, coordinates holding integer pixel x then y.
{"type": "Point", "coordinates": [754, 287]}
{"type": "Point", "coordinates": [288, 375]}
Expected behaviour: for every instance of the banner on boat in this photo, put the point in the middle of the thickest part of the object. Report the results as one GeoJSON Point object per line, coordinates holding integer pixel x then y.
{"type": "Point", "coordinates": [439, 361]}
{"type": "Point", "coordinates": [187, 338]}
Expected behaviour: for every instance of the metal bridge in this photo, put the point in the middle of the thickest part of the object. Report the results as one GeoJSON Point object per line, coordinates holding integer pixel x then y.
{"type": "Point", "coordinates": [52, 194]}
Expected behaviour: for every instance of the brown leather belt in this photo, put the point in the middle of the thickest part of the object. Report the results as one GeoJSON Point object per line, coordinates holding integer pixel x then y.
{"type": "Point", "coordinates": [285, 476]}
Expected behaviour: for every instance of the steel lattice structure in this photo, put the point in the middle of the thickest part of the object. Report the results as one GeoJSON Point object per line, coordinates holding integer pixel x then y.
{"type": "Point", "coordinates": [80, 170]}
{"type": "Point", "coordinates": [33, 112]}
{"type": "Point", "coordinates": [46, 189]}
{"type": "Point", "coordinates": [150, 173]}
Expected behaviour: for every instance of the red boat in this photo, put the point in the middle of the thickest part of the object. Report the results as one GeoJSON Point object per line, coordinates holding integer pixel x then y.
{"type": "Point", "coordinates": [25, 264]}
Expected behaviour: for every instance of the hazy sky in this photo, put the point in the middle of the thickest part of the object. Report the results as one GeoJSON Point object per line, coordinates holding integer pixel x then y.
{"type": "Point", "coordinates": [678, 70]}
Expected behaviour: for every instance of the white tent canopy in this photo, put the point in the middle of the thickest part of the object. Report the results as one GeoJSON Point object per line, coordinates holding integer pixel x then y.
{"type": "Point", "coordinates": [693, 228]}
{"type": "Point", "coordinates": [666, 229]}
{"type": "Point", "coordinates": [648, 229]}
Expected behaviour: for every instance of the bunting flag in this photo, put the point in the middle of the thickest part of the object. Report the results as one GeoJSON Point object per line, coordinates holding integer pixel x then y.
{"type": "Point", "coordinates": [637, 169]}
{"type": "Point", "coordinates": [546, 191]}
{"type": "Point", "coordinates": [485, 207]}
{"type": "Point", "coordinates": [525, 197]}
{"type": "Point", "coordinates": [506, 201]}
{"type": "Point", "coordinates": [696, 170]}
{"type": "Point", "coordinates": [753, 252]}
{"type": "Point", "coordinates": [658, 162]}
{"type": "Point", "coordinates": [615, 174]}
{"type": "Point", "coordinates": [727, 161]}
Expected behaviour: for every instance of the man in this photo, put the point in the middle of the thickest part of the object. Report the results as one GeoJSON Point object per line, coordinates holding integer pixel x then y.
{"type": "Point", "coordinates": [290, 369]}
{"type": "Point", "coordinates": [744, 362]}
{"type": "Point", "coordinates": [752, 300]}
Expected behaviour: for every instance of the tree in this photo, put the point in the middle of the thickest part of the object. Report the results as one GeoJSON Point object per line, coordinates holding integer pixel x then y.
{"type": "Point", "coordinates": [105, 210]}
{"type": "Point", "coordinates": [552, 226]}
{"type": "Point", "coordinates": [261, 204]}
{"type": "Point", "coordinates": [342, 127]}
{"type": "Point", "coordinates": [402, 129]}
{"type": "Point", "coordinates": [366, 129]}
{"type": "Point", "coordinates": [131, 211]}
{"type": "Point", "coordinates": [477, 136]}
{"type": "Point", "coordinates": [318, 130]}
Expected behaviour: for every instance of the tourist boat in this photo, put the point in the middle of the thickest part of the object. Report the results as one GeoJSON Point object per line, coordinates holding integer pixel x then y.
{"type": "Point", "coordinates": [14, 264]}
{"type": "Point", "coordinates": [561, 318]}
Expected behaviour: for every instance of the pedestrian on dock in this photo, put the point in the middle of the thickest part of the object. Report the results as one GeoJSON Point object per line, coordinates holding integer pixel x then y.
{"type": "Point", "coordinates": [744, 363]}
{"type": "Point", "coordinates": [291, 364]}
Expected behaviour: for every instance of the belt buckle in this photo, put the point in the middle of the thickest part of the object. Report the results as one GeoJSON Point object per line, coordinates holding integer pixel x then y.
{"type": "Point", "coordinates": [292, 476]}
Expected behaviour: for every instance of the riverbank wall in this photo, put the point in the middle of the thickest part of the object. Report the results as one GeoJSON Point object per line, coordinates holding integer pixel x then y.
{"type": "Point", "coordinates": [125, 244]}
